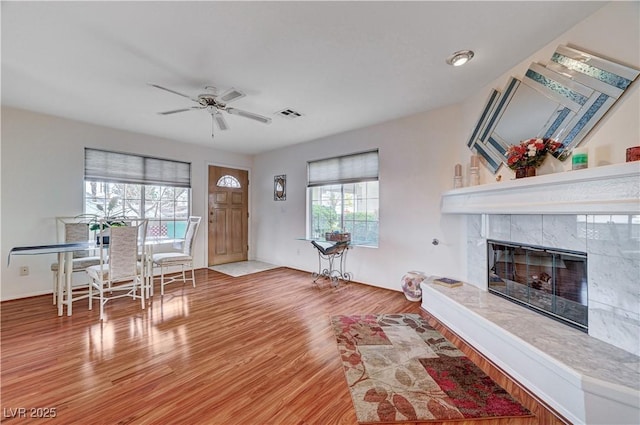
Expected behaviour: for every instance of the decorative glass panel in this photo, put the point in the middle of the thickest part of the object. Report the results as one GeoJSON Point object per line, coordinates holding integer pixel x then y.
{"type": "Point", "coordinates": [228, 181]}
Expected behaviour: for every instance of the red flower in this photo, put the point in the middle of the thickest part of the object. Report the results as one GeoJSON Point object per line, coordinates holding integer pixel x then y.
{"type": "Point", "coordinates": [530, 152]}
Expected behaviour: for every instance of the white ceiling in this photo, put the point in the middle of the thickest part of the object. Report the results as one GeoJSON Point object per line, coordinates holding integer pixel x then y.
{"type": "Point", "coordinates": [344, 65]}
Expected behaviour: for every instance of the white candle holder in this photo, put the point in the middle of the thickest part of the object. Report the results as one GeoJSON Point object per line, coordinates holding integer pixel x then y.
{"type": "Point", "coordinates": [474, 176]}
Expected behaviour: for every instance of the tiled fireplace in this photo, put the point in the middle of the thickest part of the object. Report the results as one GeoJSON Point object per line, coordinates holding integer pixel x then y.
{"type": "Point", "coordinates": [543, 227]}
{"type": "Point", "coordinates": [611, 244]}
{"type": "Point", "coordinates": [592, 211]}
{"type": "Point", "coordinates": [549, 281]}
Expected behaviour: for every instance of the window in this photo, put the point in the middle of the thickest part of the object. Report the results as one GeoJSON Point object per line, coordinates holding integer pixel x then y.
{"type": "Point", "coordinates": [343, 196]}
{"type": "Point", "coordinates": [135, 186]}
{"type": "Point", "coordinates": [228, 181]}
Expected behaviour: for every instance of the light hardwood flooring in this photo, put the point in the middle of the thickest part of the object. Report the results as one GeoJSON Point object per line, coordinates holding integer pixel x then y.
{"type": "Point", "coordinates": [256, 349]}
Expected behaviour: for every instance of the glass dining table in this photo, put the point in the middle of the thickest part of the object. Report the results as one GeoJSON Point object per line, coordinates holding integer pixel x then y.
{"type": "Point", "coordinates": [65, 257]}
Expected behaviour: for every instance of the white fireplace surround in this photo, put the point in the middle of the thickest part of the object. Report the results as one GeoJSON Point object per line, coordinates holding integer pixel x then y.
{"type": "Point", "coordinates": [610, 189]}
{"type": "Point", "coordinates": [570, 384]}
{"type": "Point", "coordinates": [583, 379]}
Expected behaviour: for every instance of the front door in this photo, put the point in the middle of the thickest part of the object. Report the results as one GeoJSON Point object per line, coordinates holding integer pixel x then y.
{"type": "Point", "coordinates": [228, 215]}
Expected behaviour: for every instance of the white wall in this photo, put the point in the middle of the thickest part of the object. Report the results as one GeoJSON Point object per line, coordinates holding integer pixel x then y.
{"type": "Point", "coordinates": [612, 32]}
{"type": "Point", "coordinates": [42, 167]}
{"type": "Point", "coordinates": [42, 178]}
{"type": "Point", "coordinates": [416, 154]}
{"type": "Point", "coordinates": [417, 157]}
{"type": "Point", "coordinates": [614, 315]}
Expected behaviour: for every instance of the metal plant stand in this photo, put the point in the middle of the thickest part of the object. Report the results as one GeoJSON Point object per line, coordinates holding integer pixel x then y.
{"type": "Point", "coordinates": [332, 261]}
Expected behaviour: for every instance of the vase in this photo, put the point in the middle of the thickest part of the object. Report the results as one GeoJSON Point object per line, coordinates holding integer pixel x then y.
{"type": "Point", "coordinates": [528, 171]}
{"type": "Point", "coordinates": [633, 154]}
{"type": "Point", "coordinates": [103, 237]}
{"type": "Point", "coordinates": [410, 284]}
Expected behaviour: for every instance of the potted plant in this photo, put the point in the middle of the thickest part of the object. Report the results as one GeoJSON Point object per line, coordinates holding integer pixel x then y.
{"type": "Point", "coordinates": [101, 223]}
{"type": "Point", "coordinates": [529, 154]}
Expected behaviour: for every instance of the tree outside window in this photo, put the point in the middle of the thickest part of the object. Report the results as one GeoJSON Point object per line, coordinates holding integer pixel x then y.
{"type": "Point", "coordinates": [166, 207]}
{"type": "Point", "coordinates": [352, 208]}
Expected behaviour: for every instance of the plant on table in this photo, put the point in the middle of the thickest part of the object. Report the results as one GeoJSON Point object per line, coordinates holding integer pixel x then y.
{"type": "Point", "coordinates": [99, 222]}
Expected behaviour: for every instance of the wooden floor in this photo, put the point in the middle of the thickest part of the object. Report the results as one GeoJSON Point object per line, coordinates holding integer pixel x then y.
{"type": "Point", "coordinates": [256, 349]}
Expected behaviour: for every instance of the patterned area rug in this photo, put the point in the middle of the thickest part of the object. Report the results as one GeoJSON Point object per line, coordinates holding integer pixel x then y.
{"type": "Point", "coordinates": [399, 368]}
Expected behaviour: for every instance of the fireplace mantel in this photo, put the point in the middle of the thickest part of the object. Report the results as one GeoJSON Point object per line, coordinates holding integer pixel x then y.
{"type": "Point", "coordinates": [609, 189]}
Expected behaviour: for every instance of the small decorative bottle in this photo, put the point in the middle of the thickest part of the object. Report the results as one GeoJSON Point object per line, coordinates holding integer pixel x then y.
{"type": "Point", "coordinates": [457, 178]}
{"type": "Point", "coordinates": [474, 176]}
{"type": "Point", "coordinates": [474, 171]}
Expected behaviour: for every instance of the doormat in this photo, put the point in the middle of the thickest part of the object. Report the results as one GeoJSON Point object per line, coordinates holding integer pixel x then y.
{"type": "Point", "coordinates": [242, 268]}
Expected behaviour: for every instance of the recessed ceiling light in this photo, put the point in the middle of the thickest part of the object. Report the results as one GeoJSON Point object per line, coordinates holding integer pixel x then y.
{"type": "Point", "coordinates": [460, 58]}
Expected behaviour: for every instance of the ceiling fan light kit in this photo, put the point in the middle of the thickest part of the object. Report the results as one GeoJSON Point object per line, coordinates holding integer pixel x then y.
{"type": "Point", "coordinates": [215, 104]}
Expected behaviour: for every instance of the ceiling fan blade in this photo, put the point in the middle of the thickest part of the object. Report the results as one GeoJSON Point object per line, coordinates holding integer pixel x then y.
{"type": "Point", "coordinates": [175, 111]}
{"type": "Point", "coordinates": [172, 91]}
{"type": "Point", "coordinates": [219, 119]}
{"type": "Point", "coordinates": [250, 115]}
{"type": "Point", "coordinates": [230, 95]}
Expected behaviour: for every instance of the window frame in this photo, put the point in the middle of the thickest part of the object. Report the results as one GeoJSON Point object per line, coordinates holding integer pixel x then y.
{"type": "Point", "coordinates": [145, 174]}
{"type": "Point", "coordinates": [340, 172]}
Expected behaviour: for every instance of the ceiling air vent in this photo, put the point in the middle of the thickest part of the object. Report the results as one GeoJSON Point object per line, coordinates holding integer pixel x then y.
{"type": "Point", "coordinates": [289, 113]}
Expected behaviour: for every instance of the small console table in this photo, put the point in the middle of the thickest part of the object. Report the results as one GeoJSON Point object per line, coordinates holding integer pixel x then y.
{"type": "Point", "coordinates": [332, 259]}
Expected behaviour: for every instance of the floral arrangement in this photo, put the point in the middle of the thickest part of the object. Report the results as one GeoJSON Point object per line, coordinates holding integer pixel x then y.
{"type": "Point", "coordinates": [530, 152]}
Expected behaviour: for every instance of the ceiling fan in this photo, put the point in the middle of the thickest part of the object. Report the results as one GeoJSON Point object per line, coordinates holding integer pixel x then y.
{"type": "Point", "coordinates": [215, 103]}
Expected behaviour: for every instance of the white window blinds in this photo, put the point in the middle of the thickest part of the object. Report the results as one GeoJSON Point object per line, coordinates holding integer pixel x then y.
{"type": "Point", "coordinates": [357, 167]}
{"type": "Point", "coordinates": [117, 167]}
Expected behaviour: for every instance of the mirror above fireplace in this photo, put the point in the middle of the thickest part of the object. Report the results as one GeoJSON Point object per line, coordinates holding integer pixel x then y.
{"type": "Point", "coordinates": [563, 100]}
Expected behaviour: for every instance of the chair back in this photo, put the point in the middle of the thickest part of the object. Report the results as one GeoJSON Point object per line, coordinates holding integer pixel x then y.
{"type": "Point", "coordinates": [125, 242]}
{"type": "Point", "coordinates": [141, 223]}
{"type": "Point", "coordinates": [190, 235]}
{"type": "Point", "coordinates": [74, 229]}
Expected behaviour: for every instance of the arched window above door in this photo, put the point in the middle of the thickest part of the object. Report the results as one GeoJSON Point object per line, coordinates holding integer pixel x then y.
{"type": "Point", "coordinates": [228, 181]}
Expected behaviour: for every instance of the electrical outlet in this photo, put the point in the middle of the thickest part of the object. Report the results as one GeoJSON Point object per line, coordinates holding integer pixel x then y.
{"type": "Point", "coordinates": [24, 271]}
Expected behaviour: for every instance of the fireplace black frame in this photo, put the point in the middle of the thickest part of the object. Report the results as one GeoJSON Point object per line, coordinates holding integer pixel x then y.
{"type": "Point", "coordinates": [538, 283]}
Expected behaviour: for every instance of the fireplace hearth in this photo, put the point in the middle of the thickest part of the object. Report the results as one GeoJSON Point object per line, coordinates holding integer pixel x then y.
{"type": "Point", "coordinates": [549, 281]}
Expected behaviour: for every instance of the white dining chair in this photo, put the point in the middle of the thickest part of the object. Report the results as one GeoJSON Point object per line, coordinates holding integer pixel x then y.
{"type": "Point", "coordinates": [74, 229]}
{"type": "Point", "coordinates": [182, 257]}
{"type": "Point", "coordinates": [120, 273]}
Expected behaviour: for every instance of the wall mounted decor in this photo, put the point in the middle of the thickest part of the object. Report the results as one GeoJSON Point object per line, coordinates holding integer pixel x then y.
{"type": "Point", "coordinates": [493, 159]}
{"type": "Point", "coordinates": [562, 100]}
{"type": "Point", "coordinates": [280, 188]}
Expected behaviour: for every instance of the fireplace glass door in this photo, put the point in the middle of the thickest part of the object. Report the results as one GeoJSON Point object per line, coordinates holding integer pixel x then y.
{"type": "Point", "coordinates": [550, 281]}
